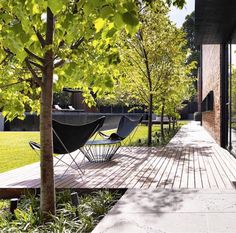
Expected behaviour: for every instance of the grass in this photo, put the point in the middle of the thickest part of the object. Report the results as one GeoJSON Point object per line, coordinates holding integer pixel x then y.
{"type": "Point", "coordinates": [139, 134]}
{"type": "Point", "coordinates": [15, 149]}
{"type": "Point", "coordinates": [16, 152]}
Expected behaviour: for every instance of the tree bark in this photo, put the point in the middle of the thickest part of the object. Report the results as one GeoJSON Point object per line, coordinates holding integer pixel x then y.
{"type": "Point", "coordinates": [169, 119]}
{"type": "Point", "coordinates": [47, 195]}
{"type": "Point", "coordinates": [173, 123]}
{"type": "Point", "coordinates": [150, 110]}
{"type": "Point", "coordinates": [148, 76]}
{"type": "Point", "coordinates": [162, 123]}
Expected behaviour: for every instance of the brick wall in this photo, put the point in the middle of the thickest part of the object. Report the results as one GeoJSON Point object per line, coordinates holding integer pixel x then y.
{"type": "Point", "coordinates": [211, 81]}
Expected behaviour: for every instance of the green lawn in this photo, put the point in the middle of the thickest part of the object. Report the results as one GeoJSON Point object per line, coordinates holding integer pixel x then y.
{"type": "Point", "coordinates": [140, 133]}
{"type": "Point", "coordinates": [16, 152]}
{"type": "Point", "coordinates": [15, 149]}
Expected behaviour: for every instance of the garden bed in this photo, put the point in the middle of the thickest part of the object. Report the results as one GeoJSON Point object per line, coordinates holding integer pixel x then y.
{"type": "Point", "coordinates": [91, 209]}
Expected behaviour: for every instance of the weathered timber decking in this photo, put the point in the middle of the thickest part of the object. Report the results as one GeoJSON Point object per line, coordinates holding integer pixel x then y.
{"type": "Point", "coordinates": [191, 160]}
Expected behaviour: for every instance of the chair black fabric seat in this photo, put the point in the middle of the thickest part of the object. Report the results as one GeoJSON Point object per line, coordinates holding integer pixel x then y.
{"type": "Point", "coordinates": [124, 129]}
{"type": "Point", "coordinates": [68, 138]}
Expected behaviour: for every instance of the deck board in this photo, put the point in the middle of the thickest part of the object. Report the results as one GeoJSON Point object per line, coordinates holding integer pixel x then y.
{"type": "Point", "coordinates": [188, 161]}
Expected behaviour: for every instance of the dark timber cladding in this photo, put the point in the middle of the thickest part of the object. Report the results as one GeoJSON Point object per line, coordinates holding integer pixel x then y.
{"type": "Point", "coordinates": [215, 21]}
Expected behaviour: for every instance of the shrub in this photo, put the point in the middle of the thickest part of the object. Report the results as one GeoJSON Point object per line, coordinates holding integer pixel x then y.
{"type": "Point", "coordinates": [68, 218]}
{"type": "Point", "coordinates": [197, 116]}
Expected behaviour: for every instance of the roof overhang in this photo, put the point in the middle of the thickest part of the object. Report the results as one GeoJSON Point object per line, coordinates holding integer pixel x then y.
{"type": "Point", "coordinates": [215, 21]}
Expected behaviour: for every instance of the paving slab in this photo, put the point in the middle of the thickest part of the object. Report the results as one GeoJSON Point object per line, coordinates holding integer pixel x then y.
{"type": "Point", "coordinates": [171, 211]}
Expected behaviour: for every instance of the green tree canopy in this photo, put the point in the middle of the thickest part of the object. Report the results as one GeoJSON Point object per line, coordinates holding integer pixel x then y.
{"type": "Point", "coordinates": [154, 67]}
{"type": "Point", "coordinates": [191, 47]}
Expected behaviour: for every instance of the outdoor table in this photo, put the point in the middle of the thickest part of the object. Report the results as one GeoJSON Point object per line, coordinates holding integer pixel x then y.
{"type": "Point", "coordinates": [100, 150]}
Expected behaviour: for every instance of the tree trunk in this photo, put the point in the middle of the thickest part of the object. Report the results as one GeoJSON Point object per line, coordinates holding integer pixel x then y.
{"type": "Point", "coordinates": [169, 119]}
{"type": "Point", "coordinates": [150, 120]}
{"type": "Point", "coordinates": [148, 76]}
{"type": "Point", "coordinates": [173, 123]}
{"type": "Point", "coordinates": [162, 123]}
{"type": "Point", "coordinates": [47, 195]}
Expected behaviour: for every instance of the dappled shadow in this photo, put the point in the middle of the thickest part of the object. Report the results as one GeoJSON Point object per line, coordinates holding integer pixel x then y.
{"type": "Point", "coordinates": [138, 164]}
{"type": "Point", "coordinates": [192, 135]}
{"type": "Point", "coordinates": [156, 201]}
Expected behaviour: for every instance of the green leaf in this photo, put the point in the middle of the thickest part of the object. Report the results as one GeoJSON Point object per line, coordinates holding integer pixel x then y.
{"type": "Point", "coordinates": [106, 11]}
{"type": "Point", "coordinates": [95, 3]}
{"type": "Point", "coordinates": [55, 5]}
{"type": "Point", "coordinates": [130, 19]}
{"type": "Point", "coordinates": [132, 29]}
{"type": "Point", "coordinates": [99, 24]}
{"type": "Point", "coordinates": [130, 6]}
{"type": "Point", "coordinates": [21, 54]}
{"type": "Point", "coordinates": [118, 20]}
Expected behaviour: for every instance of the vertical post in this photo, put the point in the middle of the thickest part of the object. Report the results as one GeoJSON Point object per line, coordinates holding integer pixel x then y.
{"type": "Point", "coordinates": [230, 97]}
{"type": "Point", "coordinates": [201, 86]}
{"type": "Point", "coordinates": [75, 201]}
{"type": "Point", "coordinates": [13, 205]}
{"type": "Point", "coordinates": [224, 95]}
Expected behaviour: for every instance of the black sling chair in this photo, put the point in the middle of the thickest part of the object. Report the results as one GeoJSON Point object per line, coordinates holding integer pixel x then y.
{"type": "Point", "coordinates": [69, 138]}
{"type": "Point", "coordinates": [104, 150]}
{"type": "Point", "coordinates": [125, 128]}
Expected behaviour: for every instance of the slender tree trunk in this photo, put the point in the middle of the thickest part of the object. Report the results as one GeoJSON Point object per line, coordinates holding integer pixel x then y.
{"type": "Point", "coordinates": [169, 127]}
{"type": "Point", "coordinates": [162, 122]}
{"type": "Point", "coordinates": [47, 195]}
{"type": "Point", "coordinates": [148, 76]}
{"type": "Point", "coordinates": [173, 123]}
{"type": "Point", "coordinates": [150, 119]}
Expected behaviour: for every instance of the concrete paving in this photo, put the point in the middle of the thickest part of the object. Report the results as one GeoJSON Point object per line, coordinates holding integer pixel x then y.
{"type": "Point", "coordinates": [174, 210]}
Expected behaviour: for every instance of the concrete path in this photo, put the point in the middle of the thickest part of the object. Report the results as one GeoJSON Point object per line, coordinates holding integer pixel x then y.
{"type": "Point", "coordinates": [175, 210]}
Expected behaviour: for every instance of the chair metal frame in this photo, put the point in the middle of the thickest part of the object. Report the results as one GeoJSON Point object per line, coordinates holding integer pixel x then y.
{"type": "Point", "coordinates": [36, 148]}
{"type": "Point", "coordinates": [100, 150]}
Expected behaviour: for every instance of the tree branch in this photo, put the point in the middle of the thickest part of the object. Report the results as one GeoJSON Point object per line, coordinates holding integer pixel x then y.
{"type": "Point", "coordinates": [10, 84]}
{"type": "Point", "coordinates": [35, 76]}
{"type": "Point", "coordinates": [77, 43]}
{"type": "Point", "coordinates": [33, 55]}
{"type": "Point", "coordinates": [59, 63]}
{"type": "Point", "coordinates": [4, 59]}
{"type": "Point", "coordinates": [40, 37]}
{"type": "Point", "coordinates": [142, 93]}
{"type": "Point", "coordinates": [140, 68]}
{"type": "Point", "coordinates": [36, 64]}
{"type": "Point", "coordinates": [8, 51]}
{"type": "Point", "coordinates": [135, 48]}
{"type": "Point", "coordinates": [8, 54]}
{"type": "Point", "coordinates": [140, 39]}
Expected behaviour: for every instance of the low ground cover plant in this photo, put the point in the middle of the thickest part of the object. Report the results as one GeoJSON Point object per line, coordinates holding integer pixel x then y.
{"type": "Point", "coordinates": [26, 218]}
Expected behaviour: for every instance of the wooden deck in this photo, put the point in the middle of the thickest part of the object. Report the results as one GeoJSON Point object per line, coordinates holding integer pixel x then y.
{"type": "Point", "coordinates": [191, 160]}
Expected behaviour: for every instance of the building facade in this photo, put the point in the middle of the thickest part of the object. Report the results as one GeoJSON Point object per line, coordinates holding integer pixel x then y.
{"type": "Point", "coordinates": [215, 33]}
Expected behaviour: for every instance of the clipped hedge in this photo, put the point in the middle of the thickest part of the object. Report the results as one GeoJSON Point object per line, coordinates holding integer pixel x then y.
{"type": "Point", "coordinates": [197, 116]}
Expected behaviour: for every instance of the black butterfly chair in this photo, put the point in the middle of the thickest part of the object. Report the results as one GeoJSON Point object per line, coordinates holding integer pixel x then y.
{"type": "Point", "coordinates": [69, 138]}
{"type": "Point", "coordinates": [104, 150]}
{"type": "Point", "coordinates": [124, 130]}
